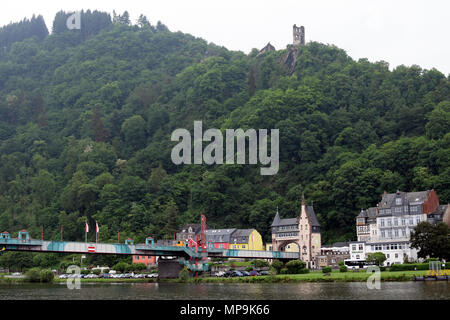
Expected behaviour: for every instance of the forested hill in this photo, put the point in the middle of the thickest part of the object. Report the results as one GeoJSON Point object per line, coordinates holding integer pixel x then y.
{"type": "Point", "coordinates": [86, 118]}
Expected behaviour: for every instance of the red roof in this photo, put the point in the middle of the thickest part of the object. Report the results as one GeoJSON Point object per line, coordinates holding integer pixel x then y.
{"type": "Point", "coordinates": [5, 232]}
{"type": "Point", "coordinates": [23, 230]}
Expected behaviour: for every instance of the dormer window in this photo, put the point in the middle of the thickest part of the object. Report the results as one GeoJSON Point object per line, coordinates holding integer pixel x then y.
{"type": "Point", "coordinates": [398, 201]}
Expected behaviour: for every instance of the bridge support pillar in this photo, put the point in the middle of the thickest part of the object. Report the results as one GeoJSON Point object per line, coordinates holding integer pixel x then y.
{"type": "Point", "coordinates": [169, 268]}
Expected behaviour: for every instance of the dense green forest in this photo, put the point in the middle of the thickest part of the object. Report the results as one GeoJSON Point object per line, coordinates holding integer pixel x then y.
{"type": "Point", "coordinates": [86, 118]}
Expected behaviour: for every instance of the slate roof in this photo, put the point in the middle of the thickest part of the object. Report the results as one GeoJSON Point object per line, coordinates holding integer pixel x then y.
{"type": "Point", "coordinates": [370, 213]}
{"type": "Point", "coordinates": [277, 221]}
{"type": "Point", "coordinates": [196, 227]}
{"type": "Point", "coordinates": [219, 235]}
{"type": "Point", "coordinates": [241, 235]}
{"type": "Point", "coordinates": [419, 197]}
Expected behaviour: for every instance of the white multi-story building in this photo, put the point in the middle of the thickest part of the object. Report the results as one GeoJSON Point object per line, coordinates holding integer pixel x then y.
{"type": "Point", "coordinates": [387, 227]}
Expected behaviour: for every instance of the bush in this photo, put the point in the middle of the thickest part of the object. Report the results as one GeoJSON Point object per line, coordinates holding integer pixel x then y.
{"type": "Point", "coordinates": [96, 271]}
{"type": "Point", "coordinates": [105, 270]}
{"type": "Point", "coordinates": [294, 266]}
{"type": "Point", "coordinates": [184, 273]}
{"type": "Point", "coordinates": [303, 271]}
{"type": "Point", "coordinates": [284, 271]}
{"type": "Point", "coordinates": [409, 266]}
{"type": "Point", "coordinates": [85, 271]}
{"type": "Point", "coordinates": [121, 267]}
{"type": "Point", "coordinates": [33, 275]}
{"type": "Point", "coordinates": [248, 269]}
{"type": "Point", "coordinates": [277, 265]}
{"type": "Point", "coordinates": [342, 268]}
{"type": "Point", "coordinates": [46, 275]}
{"type": "Point", "coordinates": [259, 263]}
{"type": "Point", "coordinates": [326, 270]}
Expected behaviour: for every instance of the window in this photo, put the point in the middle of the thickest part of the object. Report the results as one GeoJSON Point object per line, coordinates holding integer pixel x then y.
{"type": "Point", "coordinates": [396, 255]}
{"type": "Point", "coordinates": [398, 201]}
{"type": "Point", "coordinates": [357, 256]}
{"type": "Point", "coordinates": [398, 209]}
{"type": "Point", "coordinates": [387, 256]}
{"type": "Point", "coordinates": [403, 232]}
{"type": "Point", "coordinates": [360, 247]}
{"type": "Point", "coordinates": [403, 222]}
{"type": "Point", "coordinates": [354, 247]}
{"type": "Point", "coordinates": [389, 222]}
{"type": "Point", "coordinates": [243, 246]}
{"type": "Point", "coordinates": [414, 208]}
{"type": "Point", "coordinates": [381, 222]}
{"type": "Point", "coordinates": [389, 233]}
{"type": "Point", "coordinates": [383, 234]}
{"type": "Point", "coordinates": [411, 221]}
{"type": "Point", "coordinates": [395, 222]}
{"type": "Point", "coordinates": [396, 233]}
{"type": "Point", "coordinates": [418, 220]}
{"type": "Point", "coordinates": [388, 211]}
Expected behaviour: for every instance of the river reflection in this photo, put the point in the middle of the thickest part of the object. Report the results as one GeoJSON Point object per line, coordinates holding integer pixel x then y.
{"type": "Point", "coordinates": [225, 291]}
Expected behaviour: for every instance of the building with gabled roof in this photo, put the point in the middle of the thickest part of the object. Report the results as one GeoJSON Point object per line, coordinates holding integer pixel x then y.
{"type": "Point", "coordinates": [387, 227]}
{"type": "Point", "coordinates": [304, 231]}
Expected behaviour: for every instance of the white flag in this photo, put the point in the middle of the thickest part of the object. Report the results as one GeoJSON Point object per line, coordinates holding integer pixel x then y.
{"type": "Point", "coordinates": [87, 227]}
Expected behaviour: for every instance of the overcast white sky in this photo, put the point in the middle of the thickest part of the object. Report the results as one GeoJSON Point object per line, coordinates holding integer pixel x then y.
{"type": "Point", "coordinates": [397, 31]}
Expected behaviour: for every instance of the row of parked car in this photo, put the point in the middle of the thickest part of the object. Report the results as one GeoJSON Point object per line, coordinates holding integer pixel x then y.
{"type": "Point", "coordinates": [110, 276]}
{"type": "Point", "coordinates": [237, 273]}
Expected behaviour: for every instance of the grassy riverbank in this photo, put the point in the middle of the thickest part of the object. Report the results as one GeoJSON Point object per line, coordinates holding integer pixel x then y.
{"type": "Point", "coordinates": [315, 276]}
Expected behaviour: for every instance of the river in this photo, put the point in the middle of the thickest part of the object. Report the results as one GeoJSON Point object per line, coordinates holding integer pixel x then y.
{"type": "Point", "coordinates": [433, 290]}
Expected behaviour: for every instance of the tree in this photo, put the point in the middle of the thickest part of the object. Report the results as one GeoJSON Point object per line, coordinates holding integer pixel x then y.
{"type": "Point", "coordinates": [100, 133]}
{"type": "Point", "coordinates": [432, 240]}
{"type": "Point", "coordinates": [277, 265]}
{"type": "Point", "coordinates": [377, 257]}
{"type": "Point", "coordinates": [295, 266]}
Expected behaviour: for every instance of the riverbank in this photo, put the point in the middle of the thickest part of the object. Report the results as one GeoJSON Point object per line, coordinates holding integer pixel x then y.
{"type": "Point", "coordinates": [314, 276]}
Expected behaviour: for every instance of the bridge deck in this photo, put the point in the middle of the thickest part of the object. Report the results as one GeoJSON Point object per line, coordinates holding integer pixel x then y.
{"type": "Point", "coordinates": [139, 249]}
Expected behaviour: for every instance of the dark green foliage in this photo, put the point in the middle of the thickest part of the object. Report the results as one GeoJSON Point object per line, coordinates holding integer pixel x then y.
{"type": "Point", "coordinates": [86, 119]}
{"type": "Point", "coordinates": [409, 266]}
{"type": "Point", "coordinates": [33, 275]}
{"type": "Point", "coordinates": [277, 265]}
{"type": "Point", "coordinates": [377, 257]}
{"type": "Point", "coordinates": [19, 31]}
{"type": "Point", "coordinates": [46, 275]}
{"type": "Point", "coordinates": [326, 270]}
{"type": "Point", "coordinates": [258, 263]}
{"type": "Point", "coordinates": [432, 241]}
{"type": "Point", "coordinates": [342, 269]}
{"type": "Point", "coordinates": [184, 273]}
{"type": "Point", "coordinates": [295, 266]}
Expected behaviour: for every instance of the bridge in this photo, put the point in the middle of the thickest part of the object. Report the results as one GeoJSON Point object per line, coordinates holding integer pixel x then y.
{"type": "Point", "coordinates": [191, 257]}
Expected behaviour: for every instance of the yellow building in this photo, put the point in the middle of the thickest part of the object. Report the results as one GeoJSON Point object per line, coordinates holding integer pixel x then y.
{"type": "Point", "coordinates": [246, 239]}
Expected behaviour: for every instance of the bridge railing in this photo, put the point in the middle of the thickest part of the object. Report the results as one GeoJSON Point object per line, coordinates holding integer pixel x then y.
{"type": "Point", "coordinates": [32, 242]}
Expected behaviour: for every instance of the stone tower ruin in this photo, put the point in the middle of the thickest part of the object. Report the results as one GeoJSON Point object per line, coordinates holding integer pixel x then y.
{"type": "Point", "coordinates": [299, 35]}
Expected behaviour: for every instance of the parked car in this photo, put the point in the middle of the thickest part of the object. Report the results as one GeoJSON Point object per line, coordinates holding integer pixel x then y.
{"type": "Point", "coordinates": [227, 274]}
{"type": "Point", "coordinates": [152, 275]}
{"type": "Point", "coordinates": [63, 276]}
{"type": "Point", "coordinates": [264, 273]}
{"type": "Point", "coordinates": [245, 273]}
{"type": "Point", "coordinates": [236, 273]}
{"type": "Point", "coordinates": [220, 274]}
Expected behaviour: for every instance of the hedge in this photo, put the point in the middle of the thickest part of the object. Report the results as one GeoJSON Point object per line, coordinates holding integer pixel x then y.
{"type": "Point", "coordinates": [409, 266]}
